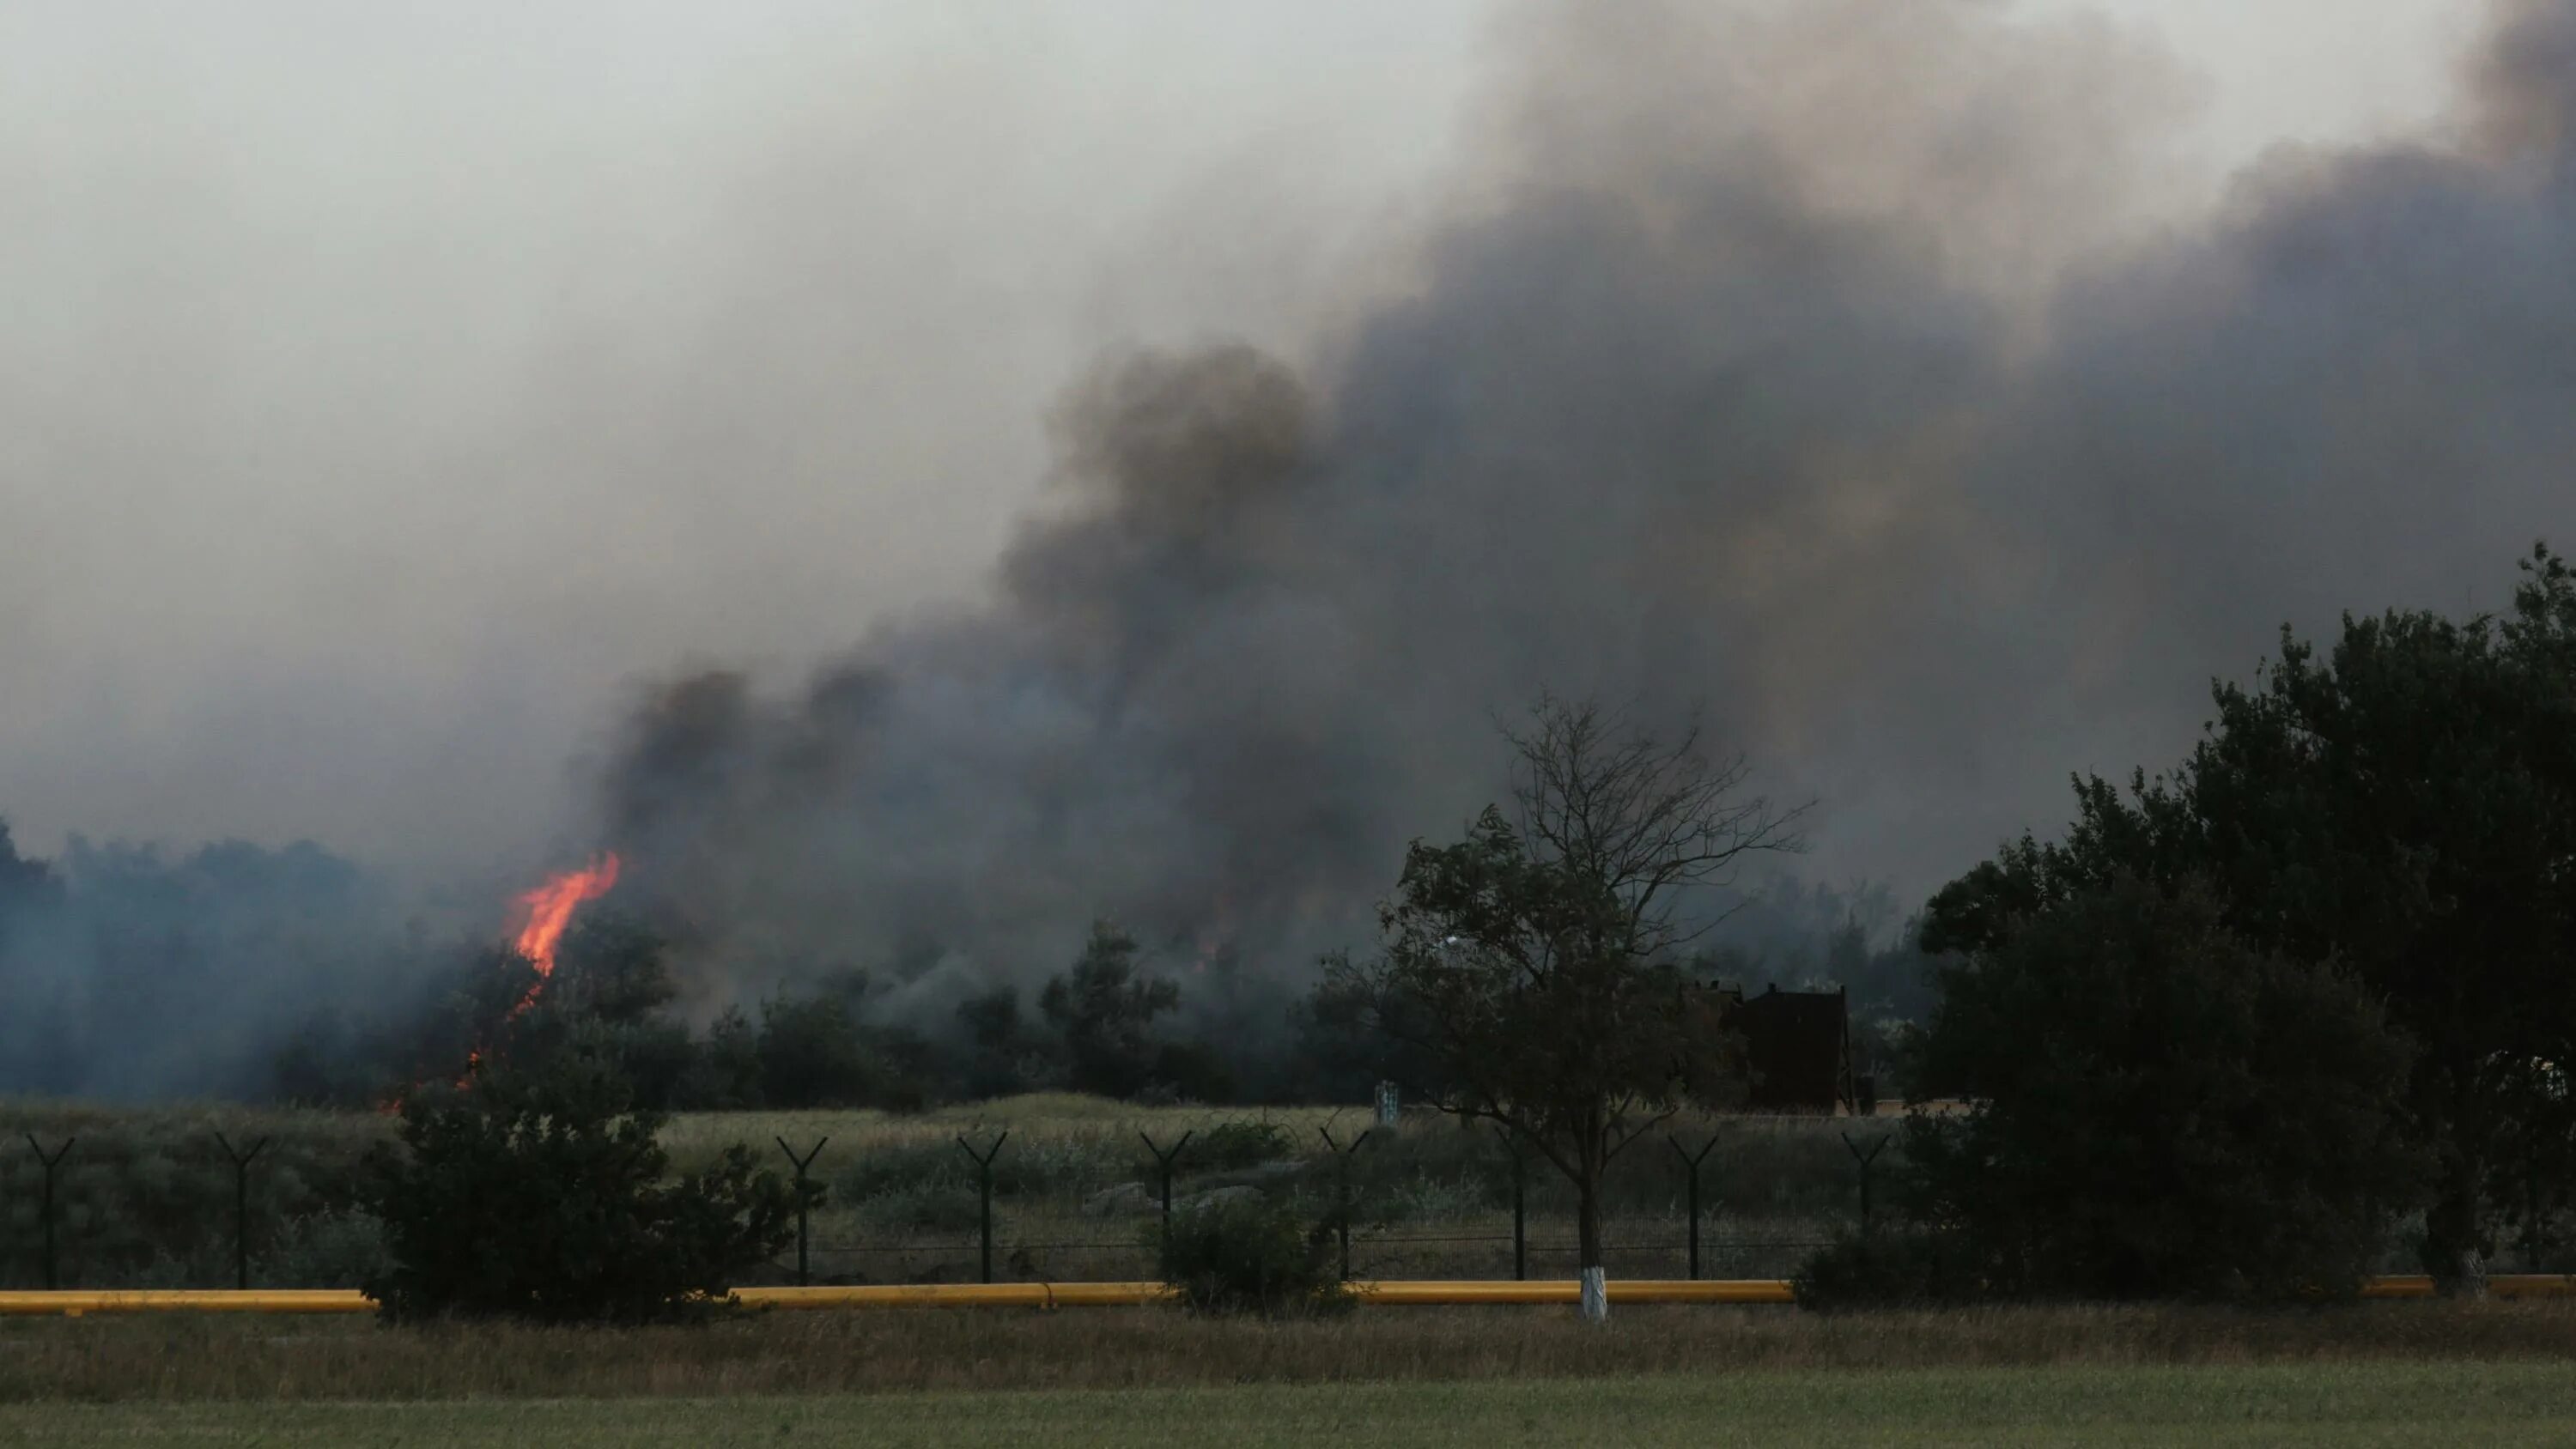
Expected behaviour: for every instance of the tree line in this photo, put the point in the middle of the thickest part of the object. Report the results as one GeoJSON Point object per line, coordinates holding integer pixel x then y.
{"type": "Point", "coordinates": [2244, 1022]}
{"type": "Point", "coordinates": [2240, 1025]}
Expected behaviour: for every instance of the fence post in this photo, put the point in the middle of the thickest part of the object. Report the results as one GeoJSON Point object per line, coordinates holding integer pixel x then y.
{"type": "Point", "coordinates": [1164, 1161]}
{"type": "Point", "coordinates": [52, 1281]}
{"type": "Point", "coordinates": [1520, 1204]}
{"type": "Point", "coordinates": [1865, 1159]}
{"type": "Point", "coordinates": [984, 1201]}
{"type": "Point", "coordinates": [1342, 1210]}
{"type": "Point", "coordinates": [803, 1199]}
{"type": "Point", "coordinates": [241, 1206]}
{"type": "Point", "coordinates": [1692, 1161]}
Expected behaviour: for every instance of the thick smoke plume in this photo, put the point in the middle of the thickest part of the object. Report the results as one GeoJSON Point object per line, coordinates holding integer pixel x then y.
{"type": "Point", "coordinates": [1801, 363]}
{"type": "Point", "coordinates": [1838, 368]}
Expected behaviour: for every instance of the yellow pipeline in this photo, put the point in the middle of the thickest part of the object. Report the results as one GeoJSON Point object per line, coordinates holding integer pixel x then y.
{"type": "Point", "coordinates": [1389, 1292]}
{"type": "Point", "coordinates": [927, 1295]}
{"type": "Point", "coordinates": [72, 1303]}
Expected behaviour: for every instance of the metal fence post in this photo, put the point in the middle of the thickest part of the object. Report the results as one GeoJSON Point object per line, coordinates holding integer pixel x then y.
{"type": "Point", "coordinates": [1691, 1161]}
{"type": "Point", "coordinates": [1342, 1210]}
{"type": "Point", "coordinates": [241, 1206]}
{"type": "Point", "coordinates": [804, 1199]}
{"type": "Point", "coordinates": [1865, 1159]}
{"type": "Point", "coordinates": [1164, 1161]}
{"type": "Point", "coordinates": [984, 1183]}
{"type": "Point", "coordinates": [52, 1279]}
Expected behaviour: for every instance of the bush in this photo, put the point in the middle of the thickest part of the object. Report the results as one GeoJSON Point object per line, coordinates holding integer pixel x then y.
{"type": "Point", "coordinates": [1236, 1145]}
{"type": "Point", "coordinates": [541, 1197]}
{"type": "Point", "coordinates": [2163, 1111]}
{"type": "Point", "coordinates": [1908, 1268]}
{"type": "Point", "coordinates": [1248, 1256]}
{"type": "Point", "coordinates": [328, 1250]}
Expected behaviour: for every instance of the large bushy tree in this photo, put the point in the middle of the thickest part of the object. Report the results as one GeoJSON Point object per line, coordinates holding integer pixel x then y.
{"type": "Point", "coordinates": [1104, 1009]}
{"type": "Point", "coordinates": [1535, 968]}
{"type": "Point", "coordinates": [2161, 1109]}
{"type": "Point", "coordinates": [2404, 806]}
{"type": "Point", "coordinates": [543, 1194]}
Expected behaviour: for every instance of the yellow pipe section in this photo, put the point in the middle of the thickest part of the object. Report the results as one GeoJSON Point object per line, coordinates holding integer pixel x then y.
{"type": "Point", "coordinates": [1451, 1292]}
{"type": "Point", "coordinates": [1388, 1292]}
{"type": "Point", "coordinates": [72, 1303]}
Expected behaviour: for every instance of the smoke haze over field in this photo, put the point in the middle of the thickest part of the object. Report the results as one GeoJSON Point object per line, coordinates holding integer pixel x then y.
{"type": "Point", "coordinates": [1874, 376]}
{"type": "Point", "coordinates": [1799, 361]}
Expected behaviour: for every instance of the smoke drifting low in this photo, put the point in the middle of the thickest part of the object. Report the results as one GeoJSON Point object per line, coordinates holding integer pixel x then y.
{"type": "Point", "coordinates": [1839, 368]}
{"type": "Point", "coordinates": [1797, 362]}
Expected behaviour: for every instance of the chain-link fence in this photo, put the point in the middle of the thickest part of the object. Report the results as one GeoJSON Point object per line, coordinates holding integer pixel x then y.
{"type": "Point", "coordinates": [113, 1207]}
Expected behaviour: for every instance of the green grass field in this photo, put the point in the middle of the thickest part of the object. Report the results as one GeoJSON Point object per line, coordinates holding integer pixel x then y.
{"type": "Point", "coordinates": [2454, 1404]}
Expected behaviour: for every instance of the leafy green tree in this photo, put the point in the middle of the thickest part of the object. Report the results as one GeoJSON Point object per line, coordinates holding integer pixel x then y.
{"type": "Point", "coordinates": [612, 966]}
{"type": "Point", "coordinates": [2405, 807]}
{"type": "Point", "coordinates": [1537, 965]}
{"type": "Point", "coordinates": [2160, 1109]}
{"type": "Point", "coordinates": [1003, 1055]}
{"type": "Point", "coordinates": [542, 1195]}
{"type": "Point", "coordinates": [726, 1074]}
{"type": "Point", "coordinates": [813, 1054]}
{"type": "Point", "coordinates": [1103, 1009]}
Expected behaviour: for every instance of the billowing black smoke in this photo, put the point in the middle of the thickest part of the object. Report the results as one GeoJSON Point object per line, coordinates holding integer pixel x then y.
{"type": "Point", "coordinates": [1793, 362]}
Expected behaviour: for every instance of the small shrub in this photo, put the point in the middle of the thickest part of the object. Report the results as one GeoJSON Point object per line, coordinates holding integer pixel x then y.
{"type": "Point", "coordinates": [1236, 1145]}
{"type": "Point", "coordinates": [1428, 1199]}
{"type": "Point", "coordinates": [1248, 1256]}
{"type": "Point", "coordinates": [1906, 1268]}
{"type": "Point", "coordinates": [342, 1249]}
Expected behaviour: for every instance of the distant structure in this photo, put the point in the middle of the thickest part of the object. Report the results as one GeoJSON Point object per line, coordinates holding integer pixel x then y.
{"type": "Point", "coordinates": [1797, 1049]}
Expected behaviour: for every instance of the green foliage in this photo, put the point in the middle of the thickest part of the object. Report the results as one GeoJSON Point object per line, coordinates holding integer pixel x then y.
{"type": "Point", "coordinates": [1248, 1256]}
{"type": "Point", "coordinates": [2405, 808]}
{"type": "Point", "coordinates": [1535, 968]}
{"type": "Point", "coordinates": [1003, 1056]}
{"type": "Point", "coordinates": [541, 1196]}
{"type": "Point", "coordinates": [1231, 1145]}
{"type": "Point", "coordinates": [820, 1051]}
{"type": "Point", "coordinates": [2162, 1110]}
{"type": "Point", "coordinates": [1911, 1267]}
{"type": "Point", "coordinates": [1104, 1010]}
{"type": "Point", "coordinates": [726, 1076]}
{"type": "Point", "coordinates": [611, 966]}
{"type": "Point", "coordinates": [145, 1195]}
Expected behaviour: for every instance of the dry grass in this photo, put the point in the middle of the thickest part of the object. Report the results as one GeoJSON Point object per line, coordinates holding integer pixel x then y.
{"type": "Point", "coordinates": [193, 1359]}
{"type": "Point", "coordinates": [146, 1195]}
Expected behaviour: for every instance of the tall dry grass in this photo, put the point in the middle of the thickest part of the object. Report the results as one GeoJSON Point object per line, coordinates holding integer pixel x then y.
{"type": "Point", "coordinates": [145, 1198]}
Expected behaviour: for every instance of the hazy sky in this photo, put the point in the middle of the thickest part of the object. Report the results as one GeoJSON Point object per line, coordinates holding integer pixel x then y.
{"type": "Point", "coordinates": [386, 389]}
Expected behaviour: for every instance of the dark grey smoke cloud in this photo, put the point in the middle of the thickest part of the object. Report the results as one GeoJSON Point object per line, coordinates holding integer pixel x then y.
{"type": "Point", "coordinates": [1799, 363]}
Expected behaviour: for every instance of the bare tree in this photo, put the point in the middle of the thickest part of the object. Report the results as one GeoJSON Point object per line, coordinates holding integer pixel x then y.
{"type": "Point", "coordinates": [1535, 964]}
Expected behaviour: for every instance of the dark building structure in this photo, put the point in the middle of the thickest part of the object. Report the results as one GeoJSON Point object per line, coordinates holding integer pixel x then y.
{"type": "Point", "coordinates": [1797, 1047]}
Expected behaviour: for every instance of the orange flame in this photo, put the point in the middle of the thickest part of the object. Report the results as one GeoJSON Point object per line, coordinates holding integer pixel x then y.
{"type": "Point", "coordinates": [550, 907]}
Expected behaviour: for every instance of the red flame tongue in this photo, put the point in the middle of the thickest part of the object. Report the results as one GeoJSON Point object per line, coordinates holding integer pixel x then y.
{"type": "Point", "coordinates": [550, 907]}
